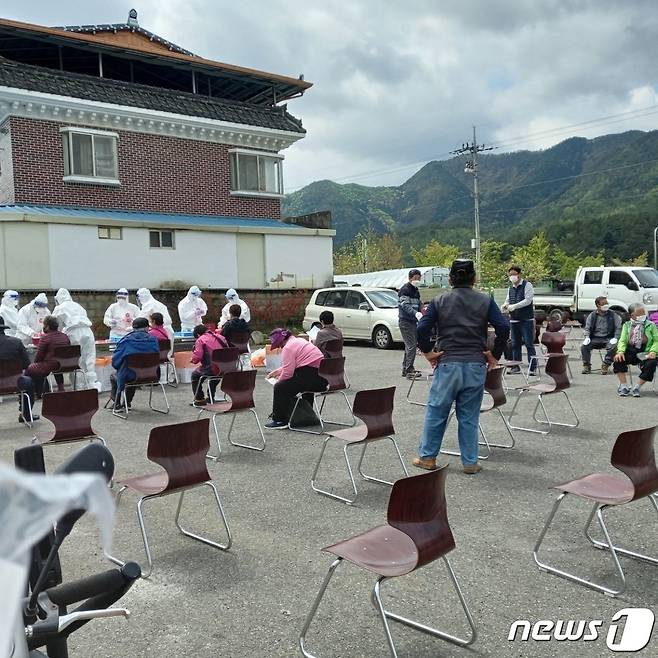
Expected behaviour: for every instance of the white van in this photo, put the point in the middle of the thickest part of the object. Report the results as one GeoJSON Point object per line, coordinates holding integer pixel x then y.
{"type": "Point", "coordinates": [360, 313]}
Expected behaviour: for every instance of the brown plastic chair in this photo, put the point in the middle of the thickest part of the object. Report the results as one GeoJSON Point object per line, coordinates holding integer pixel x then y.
{"type": "Point", "coordinates": [416, 534]}
{"type": "Point", "coordinates": [71, 413]}
{"type": "Point", "coordinates": [146, 368]}
{"type": "Point", "coordinates": [238, 387]}
{"type": "Point", "coordinates": [375, 409]}
{"type": "Point", "coordinates": [181, 452]}
{"type": "Point", "coordinates": [496, 398]}
{"type": "Point", "coordinates": [226, 359]}
{"type": "Point", "coordinates": [633, 455]}
{"type": "Point", "coordinates": [333, 370]}
{"type": "Point", "coordinates": [553, 343]}
{"type": "Point", "coordinates": [333, 348]}
{"type": "Point", "coordinates": [240, 340]}
{"type": "Point", "coordinates": [556, 368]}
{"type": "Point", "coordinates": [165, 360]}
{"type": "Point", "coordinates": [68, 360]}
{"type": "Point", "coordinates": [10, 371]}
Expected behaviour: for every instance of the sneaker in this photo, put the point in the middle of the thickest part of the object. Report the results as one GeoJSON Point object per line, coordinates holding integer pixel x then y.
{"type": "Point", "coordinates": [514, 370]}
{"type": "Point", "coordinates": [604, 368]}
{"type": "Point", "coordinates": [427, 464]}
{"type": "Point", "coordinates": [276, 425]}
{"type": "Point", "coordinates": [472, 469]}
{"type": "Point", "coordinates": [22, 420]}
{"type": "Point", "coordinates": [533, 373]}
{"type": "Point", "coordinates": [587, 369]}
{"type": "Point", "coordinates": [200, 403]}
{"type": "Point", "coordinates": [636, 391]}
{"type": "Point", "coordinates": [623, 391]}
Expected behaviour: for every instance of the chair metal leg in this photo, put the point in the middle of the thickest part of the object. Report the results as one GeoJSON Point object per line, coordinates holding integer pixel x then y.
{"type": "Point", "coordinates": [318, 411]}
{"type": "Point", "coordinates": [171, 368]}
{"type": "Point", "coordinates": [219, 445]}
{"type": "Point", "coordinates": [534, 414]}
{"type": "Point", "coordinates": [25, 398]}
{"type": "Point", "coordinates": [371, 478]}
{"type": "Point", "coordinates": [324, 492]}
{"type": "Point", "coordinates": [484, 442]}
{"type": "Point", "coordinates": [315, 606]}
{"type": "Point", "coordinates": [123, 400]}
{"type": "Point", "coordinates": [509, 431]}
{"type": "Point", "coordinates": [258, 448]}
{"type": "Point", "coordinates": [411, 385]}
{"type": "Point", "coordinates": [598, 510]}
{"type": "Point", "coordinates": [386, 615]}
{"type": "Point", "coordinates": [164, 394]}
{"type": "Point", "coordinates": [205, 540]}
{"type": "Point", "coordinates": [553, 422]}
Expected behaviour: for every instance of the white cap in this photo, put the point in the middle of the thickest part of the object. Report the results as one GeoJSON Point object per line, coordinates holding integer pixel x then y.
{"type": "Point", "coordinates": [231, 294]}
{"type": "Point", "coordinates": [194, 290]}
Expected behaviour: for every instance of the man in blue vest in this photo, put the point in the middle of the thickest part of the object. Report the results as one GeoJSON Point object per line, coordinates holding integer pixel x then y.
{"type": "Point", "coordinates": [602, 331]}
{"type": "Point", "coordinates": [522, 315]}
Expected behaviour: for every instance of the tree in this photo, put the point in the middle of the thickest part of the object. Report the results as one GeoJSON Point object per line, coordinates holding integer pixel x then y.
{"type": "Point", "coordinates": [368, 252]}
{"type": "Point", "coordinates": [493, 266]}
{"type": "Point", "coordinates": [638, 261]}
{"type": "Point", "coordinates": [534, 259]}
{"type": "Point", "coordinates": [435, 254]}
{"type": "Point", "coordinates": [566, 266]}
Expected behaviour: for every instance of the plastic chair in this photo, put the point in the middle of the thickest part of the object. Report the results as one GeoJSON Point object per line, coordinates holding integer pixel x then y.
{"type": "Point", "coordinates": [333, 370]}
{"type": "Point", "coordinates": [145, 367]}
{"type": "Point", "coordinates": [334, 348]}
{"type": "Point", "coordinates": [68, 358]}
{"type": "Point", "coordinates": [238, 387]}
{"type": "Point", "coordinates": [71, 414]}
{"type": "Point", "coordinates": [240, 339]}
{"type": "Point", "coordinates": [633, 455]}
{"type": "Point", "coordinates": [554, 343]}
{"type": "Point", "coordinates": [165, 360]}
{"type": "Point", "coordinates": [181, 452]}
{"type": "Point", "coordinates": [556, 368]}
{"type": "Point", "coordinates": [10, 371]}
{"type": "Point", "coordinates": [416, 534]}
{"type": "Point", "coordinates": [428, 375]}
{"type": "Point", "coordinates": [493, 387]}
{"type": "Point", "coordinates": [375, 409]}
{"type": "Point", "coordinates": [226, 359]}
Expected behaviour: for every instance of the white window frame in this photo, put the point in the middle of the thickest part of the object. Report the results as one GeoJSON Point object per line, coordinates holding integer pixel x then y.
{"type": "Point", "coordinates": [67, 134]}
{"type": "Point", "coordinates": [113, 233]}
{"type": "Point", "coordinates": [160, 232]}
{"type": "Point", "coordinates": [234, 156]}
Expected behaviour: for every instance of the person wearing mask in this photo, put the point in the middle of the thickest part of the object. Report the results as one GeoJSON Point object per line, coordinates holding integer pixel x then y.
{"type": "Point", "coordinates": [206, 342]}
{"type": "Point", "coordinates": [157, 330]}
{"type": "Point", "coordinates": [30, 318]}
{"type": "Point", "coordinates": [638, 344]}
{"type": "Point", "coordinates": [137, 341]}
{"type": "Point", "coordinates": [44, 362]}
{"type": "Point", "coordinates": [408, 316]}
{"type": "Point", "coordinates": [460, 319]}
{"type": "Point", "coordinates": [300, 361]}
{"type": "Point", "coordinates": [328, 332]}
{"type": "Point", "coordinates": [149, 305]}
{"type": "Point", "coordinates": [119, 316]}
{"type": "Point", "coordinates": [75, 323]}
{"type": "Point", "coordinates": [191, 309]}
{"type": "Point", "coordinates": [232, 298]}
{"type": "Point", "coordinates": [520, 306]}
{"type": "Point", "coordinates": [12, 348]}
{"type": "Point", "coordinates": [602, 331]}
{"type": "Point", "coordinates": [8, 310]}
{"type": "Point", "coordinates": [235, 324]}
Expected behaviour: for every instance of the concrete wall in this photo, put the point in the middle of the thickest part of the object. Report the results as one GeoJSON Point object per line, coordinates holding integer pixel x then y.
{"type": "Point", "coordinates": [24, 256]}
{"type": "Point", "coordinates": [306, 262]}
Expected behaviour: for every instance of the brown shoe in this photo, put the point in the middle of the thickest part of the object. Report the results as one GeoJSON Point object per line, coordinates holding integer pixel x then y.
{"type": "Point", "coordinates": [604, 368]}
{"type": "Point", "coordinates": [587, 368]}
{"type": "Point", "coordinates": [427, 464]}
{"type": "Point", "coordinates": [473, 469]}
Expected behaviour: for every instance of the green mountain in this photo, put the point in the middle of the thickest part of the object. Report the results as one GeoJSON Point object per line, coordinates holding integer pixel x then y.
{"type": "Point", "coordinates": [587, 195]}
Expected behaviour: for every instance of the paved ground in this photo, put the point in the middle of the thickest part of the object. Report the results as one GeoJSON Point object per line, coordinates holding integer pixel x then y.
{"type": "Point", "coordinates": [252, 601]}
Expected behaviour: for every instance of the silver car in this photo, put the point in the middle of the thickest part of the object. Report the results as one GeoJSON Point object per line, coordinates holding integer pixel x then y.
{"type": "Point", "coordinates": [360, 313]}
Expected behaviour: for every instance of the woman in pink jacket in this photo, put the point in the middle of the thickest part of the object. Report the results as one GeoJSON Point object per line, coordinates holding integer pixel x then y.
{"type": "Point", "coordinates": [205, 344]}
{"type": "Point", "coordinates": [298, 373]}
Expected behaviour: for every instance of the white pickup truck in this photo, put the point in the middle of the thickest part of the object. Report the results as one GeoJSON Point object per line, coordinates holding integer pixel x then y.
{"type": "Point", "coordinates": [622, 286]}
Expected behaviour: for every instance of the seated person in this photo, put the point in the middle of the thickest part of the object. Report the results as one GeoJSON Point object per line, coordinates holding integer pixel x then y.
{"type": "Point", "coordinates": [137, 341]}
{"type": "Point", "coordinates": [157, 330]}
{"type": "Point", "coordinates": [44, 361]}
{"type": "Point", "coordinates": [638, 335]}
{"type": "Point", "coordinates": [328, 332]}
{"type": "Point", "coordinates": [298, 373]}
{"type": "Point", "coordinates": [206, 342]}
{"type": "Point", "coordinates": [235, 324]}
{"type": "Point", "coordinates": [602, 331]}
{"type": "Point", "coordinates": [13, 349]}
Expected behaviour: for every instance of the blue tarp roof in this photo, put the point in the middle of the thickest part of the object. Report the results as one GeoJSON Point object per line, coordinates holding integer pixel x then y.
{"type": "Point", "coordinates": [148, 217]}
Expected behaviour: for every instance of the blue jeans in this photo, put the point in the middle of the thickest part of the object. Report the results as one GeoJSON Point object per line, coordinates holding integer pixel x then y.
{"type": "Point", "coordinates": [523, 333]}
{"type": "Point", "coordinates": [463, 384]}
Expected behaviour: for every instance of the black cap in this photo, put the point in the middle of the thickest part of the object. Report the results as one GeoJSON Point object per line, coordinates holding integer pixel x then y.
{"type": "Point", "coordinates": [140, 323]}
{"type": "Point", "coordinates": [462, 265]}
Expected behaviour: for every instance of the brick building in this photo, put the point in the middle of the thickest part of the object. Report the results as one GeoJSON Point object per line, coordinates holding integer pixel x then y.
{"type": "Point", "coordinates": [126, 160]}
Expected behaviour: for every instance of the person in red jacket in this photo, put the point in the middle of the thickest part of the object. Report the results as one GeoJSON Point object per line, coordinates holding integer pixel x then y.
{"type": "Point", "coordinates": [156, 320]}
{"type": "Point", "coordinates": [44, 362]}
{"type": "Point", "coordinates": [205, 344]}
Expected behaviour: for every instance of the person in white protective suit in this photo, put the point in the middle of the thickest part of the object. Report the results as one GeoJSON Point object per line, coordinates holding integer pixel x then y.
{"type": "Point", "coordinates": [191, 309]}
{"type": "Point", "coordinates": [73, 321]}
{"type": "Point", "coordinates": [30, 318]}
{"type": "Point", "coordinates": [232, 298]}
{"type": "Point", "coordinates": [149, 305]}
{"type": "Point", "coordinates": [120, 315]}
{"type": "Point", "coordinates": [9, 312]}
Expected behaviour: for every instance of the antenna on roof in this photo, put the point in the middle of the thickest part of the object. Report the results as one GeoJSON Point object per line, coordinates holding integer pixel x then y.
{"type": "Point", "coordinates": [132, 18]}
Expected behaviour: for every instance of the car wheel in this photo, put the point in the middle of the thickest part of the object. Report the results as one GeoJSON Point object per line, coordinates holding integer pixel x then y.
{"type": "Point", "coordinates": [621, 313]}
{"type": "Point", "coordinates": [558, 315]}
{"type": "Point", "coordinates": [381, 338]}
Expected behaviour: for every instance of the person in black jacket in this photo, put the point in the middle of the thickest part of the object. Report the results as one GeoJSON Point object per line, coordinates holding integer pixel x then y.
{"type": "Point", "coordinates": [235, 324]}
{"type": "Point", "coordinates": [408, 315]}
{"type": "Point", "coordinates": [13, 349]}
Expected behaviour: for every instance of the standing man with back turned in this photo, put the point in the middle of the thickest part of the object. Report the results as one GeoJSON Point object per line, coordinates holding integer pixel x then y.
{"type": "Point", "coordinates": [461, 318]}
{"type": "Point", "coordinates": [522, 318]}
{"type": "Point", "coordinates": [408, 316]}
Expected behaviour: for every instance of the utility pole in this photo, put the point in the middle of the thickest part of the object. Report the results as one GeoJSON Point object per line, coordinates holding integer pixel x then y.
{"type": "Point", "coordinates": [472, 168]}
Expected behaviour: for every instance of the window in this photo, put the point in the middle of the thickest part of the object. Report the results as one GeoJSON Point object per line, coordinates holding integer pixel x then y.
{"type": "Point", "coordinates": [90, 156]}
{"type": "Point", "coordinates": [335, 298]}
{"type": "Point", "coordinates": [256, 173]}
{"type": "Point", "coordinates": [109, 233]}
{"type": "Point", "coordinates": [161, 239]}
{"type": "Point", "coordinates": [593, 276]}
{"type": "Point", "coordinates": [619, 278]}
{"type": "Point", "coordinates": [321, 298]}
{"type": "Point", "coordinates": [647, 278]}
{"type": "Point", "coordinates": [354, 299]}
{"type": "Point", "coordinates": [384, 298]}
